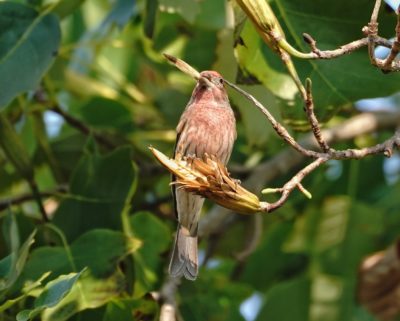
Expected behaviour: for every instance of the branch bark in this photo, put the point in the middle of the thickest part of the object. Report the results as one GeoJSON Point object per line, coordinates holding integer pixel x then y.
{"type": "Point", "coordinates": [287, 160]}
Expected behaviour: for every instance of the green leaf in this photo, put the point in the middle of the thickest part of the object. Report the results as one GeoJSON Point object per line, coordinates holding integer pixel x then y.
{"type": "Point", "coordinates": [156, 239]}
{"type": "Point", "coordinates": [5, 267]}
{"type": "Point", "coordinates": [99, 189]}
{"type": "Point", "coordinates": [214, 290]}
{"type": "Point", "coordinates": [336, 82]}
{"type": "Point", "coordinates": [188, 9]}
{"type": "Point", "coordinates": [254, 68]}
{"type": "Point", "coordinates": [118, 15]}
{"type": "Point", "coordinates": [105, 113]}
{"type": "Point", "coordinates": [99, 250]}
{"type": "Point", "coordinates": [23, 56]}
{"type": "Point", "coordinates": [123, 309]}
{"type": "Point", "coordinates": [150, 17]}
{"type": "Point", "coordinates": [87, 293]}
{"type": "Point", "coordinates": [269, 262]}
{"type": "Point", "coordinates": [26, 290]}
{"type": "Point", "coordinates": [287, 301]}
{"type": "Point", "coordinates": [64, 8]}
{"type": "Point", "coordinates": [10, 231]}
{"type": "Point", "coordinates": [257, 133]}
{"type": "Point", "coordinates": [341, 230]}
{"type": "Point", "coordinates": [212, 15]}
{"type": "Point", "coordinates": [12, 265]}
{"type": "Point", "coordinates": [53, 293]}
{"type": "Point", "coordinates": [56, 290]}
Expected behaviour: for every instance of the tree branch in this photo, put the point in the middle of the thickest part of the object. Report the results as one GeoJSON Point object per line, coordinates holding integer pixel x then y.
{"type": "Point", "coordinates": [309, 107]}
{"type": "Point", "coordinates": [16, 200]}
{"type": "Point", "coordinates": [317, 53]}
{"type": "Point", "coordinates": [166, 298]}
{"type": "Point", "coordinates": [279, 129]}
{"type": "Point", "coordinates": [210, 179]}
{"type": "Point", "coordinates": [386, 147]}
{"type": "Point", "coordinates": [371, 40]}
{"type": "Point", "coordinates": [288, 159]}
{"type": "Point", "coordinates": [83, 128]}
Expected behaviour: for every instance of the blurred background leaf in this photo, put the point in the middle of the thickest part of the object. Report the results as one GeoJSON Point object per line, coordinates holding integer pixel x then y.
{"type": "Point", "coordinates": [23, 57]}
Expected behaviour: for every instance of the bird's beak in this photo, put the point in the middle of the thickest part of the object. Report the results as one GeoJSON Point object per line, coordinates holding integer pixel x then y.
{"type": "Point", "coordinates": [205, 82]}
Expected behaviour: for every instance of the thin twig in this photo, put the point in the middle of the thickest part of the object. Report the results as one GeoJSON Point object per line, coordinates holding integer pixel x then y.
{"type": "Point", "coordinates": [83, 128]}
{"type": "Point", "coordinates": [292, 184]}
{"type": "Point", "coordinates": [375, 12]}
{"type": "Point", "coordinates": [309, 106]}
{"type": "Point", "coordinates": [16, 200]}
{"type": "Point", "coordinates": [182, 66]}
{"type": "Point", "coordinates": [317, 53]}
{"type": "Point", "coordinates": [287, 160]}
{"type": "Point", "coordinates": [36, 195]}
{"type": "Point", "coordinates": [280, 130]}
{"type": "Point", "coordinates": [385, 148]}
{"type": "Point", "coordinates": [327, 153]}
{"type": "Point", "coordinates": [273, 35]}
{"type": "Point", "coordinates": [387, 64]}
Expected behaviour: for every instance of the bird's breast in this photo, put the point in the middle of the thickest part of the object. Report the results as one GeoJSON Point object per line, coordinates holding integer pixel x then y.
{"type": "Point", "coordinates": [210, 130]}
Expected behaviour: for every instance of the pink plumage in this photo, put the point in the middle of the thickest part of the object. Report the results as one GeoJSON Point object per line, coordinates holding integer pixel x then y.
{"type": "Point", "coordinates": [207, 126]}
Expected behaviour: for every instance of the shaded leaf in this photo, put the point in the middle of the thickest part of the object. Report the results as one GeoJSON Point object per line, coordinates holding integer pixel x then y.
{"type": "Point", "coordinates": [99, 250]}
{"type": "Point", "coordinates": [12, 265]}
{"type": "Point", "coordinates": [217, 292]}
{"type": "Point", "coordinates": [156, 239]}
{"type": "Point", "coordinates": [338, 81]}
{"type": "Point", "coordinates": [150, 17]}
{"type": "Point", "coordinates": [22, 54]}
{"type": "Point", "coordinates": [64, 8]}
{"type": "Point", "coordinates": [26, 290]}
{"type": "Point", "coordinates": [124, 309]}
{"type": "Point", "coordinates": [99, 189]}
{"type": "Point", "coordinates": [270, 262]}
{"type": "Point", "coordinates": [287, 301]}
{"type": "Point", "coordinates": [105, 113]}
{"type": "Point", "coordinates": [187, 9]}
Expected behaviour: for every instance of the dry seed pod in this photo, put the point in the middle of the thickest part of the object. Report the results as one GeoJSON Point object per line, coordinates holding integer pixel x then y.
{"type": "Point", "coordinates": [379, 283]}
{"type": "Point", "coordinates": [209, 178]}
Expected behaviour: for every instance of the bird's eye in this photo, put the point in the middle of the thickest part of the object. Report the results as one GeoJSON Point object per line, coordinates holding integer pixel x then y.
{"type": "Point", "coordinates": [221, 80]}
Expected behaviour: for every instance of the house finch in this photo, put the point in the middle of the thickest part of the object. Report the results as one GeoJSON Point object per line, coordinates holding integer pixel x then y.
{"type": "Point", "coordinates": [207, 126]}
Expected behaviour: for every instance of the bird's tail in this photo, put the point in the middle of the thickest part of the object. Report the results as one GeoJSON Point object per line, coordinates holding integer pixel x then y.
{"type": "Point", "coordinates": [184, 260]}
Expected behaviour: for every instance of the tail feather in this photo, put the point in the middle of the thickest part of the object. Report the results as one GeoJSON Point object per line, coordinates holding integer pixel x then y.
{"type": "Point", "coordinates": [184, 260]}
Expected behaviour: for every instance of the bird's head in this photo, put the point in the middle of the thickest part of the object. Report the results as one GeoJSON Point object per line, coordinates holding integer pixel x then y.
{"type": "Point", "coordinates": [210, 86]}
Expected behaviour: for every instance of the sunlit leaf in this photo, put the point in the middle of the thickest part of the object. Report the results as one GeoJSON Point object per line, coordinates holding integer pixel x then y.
{"type": "Point", "coordinates": [53, 293]}
{"type": "Point", "coordinates": [87, 293]}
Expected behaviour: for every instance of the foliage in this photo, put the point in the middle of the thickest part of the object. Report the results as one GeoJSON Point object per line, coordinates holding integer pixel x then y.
{"type": "Point", "coordinates": [84, 86]}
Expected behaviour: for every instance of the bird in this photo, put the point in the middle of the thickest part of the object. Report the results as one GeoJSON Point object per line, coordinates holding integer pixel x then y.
{"type": "Point", "coordinates": [206, 127]}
